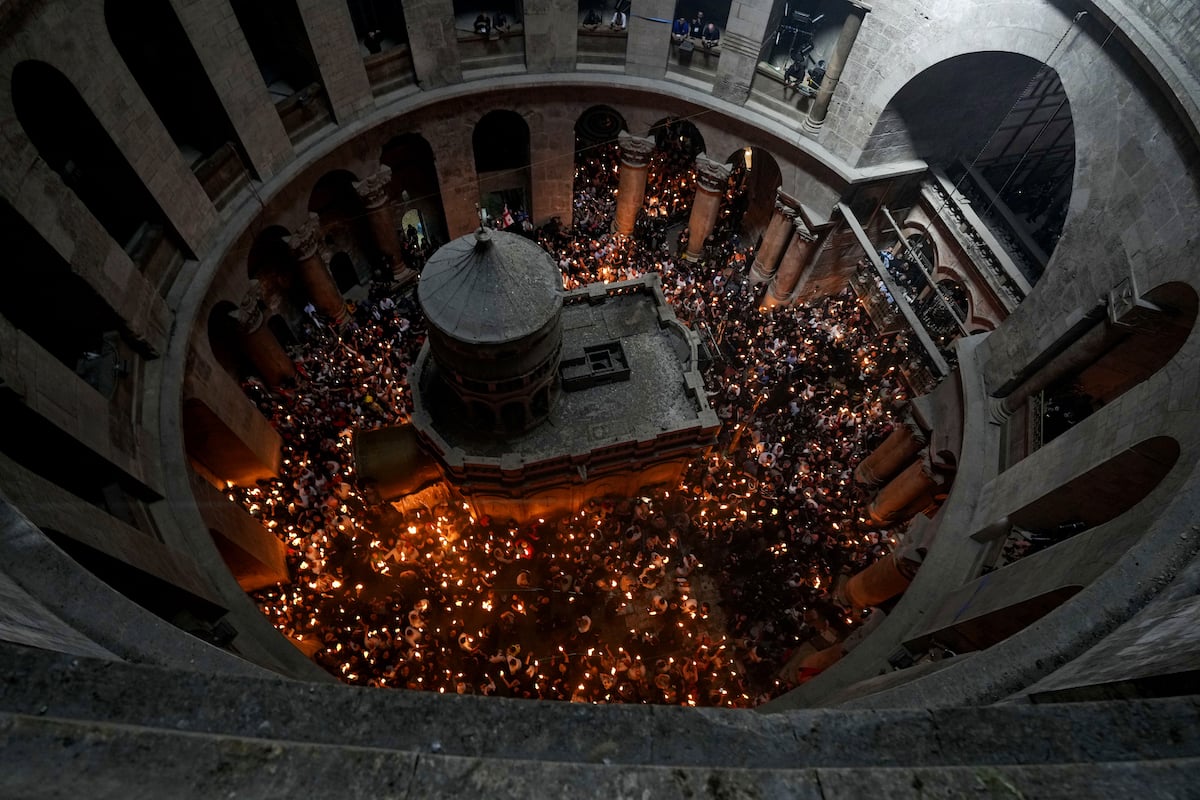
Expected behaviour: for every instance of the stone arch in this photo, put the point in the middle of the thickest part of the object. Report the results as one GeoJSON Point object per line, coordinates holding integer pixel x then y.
{"type": "Point", "coordinates": [758, 177]}
{"type": "Point", "coordinates": [154, 46]}
{"type": "Point", "coordinates": [671, 130]}
{"type": "Point", "coordinates": [501, 144]}
{"type": "Point", "coordinates": [344, 224]}
{"type": "Point", "coordinates": [72, 141]}
{"type": "Point", "coordinates": [271, 263]}
{"type": "Point", "coordinates": [415, 184]}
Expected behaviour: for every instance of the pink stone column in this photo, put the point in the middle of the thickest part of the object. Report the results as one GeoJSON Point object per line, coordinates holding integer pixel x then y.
{"type": "Point", "coordinates": [374, 195]}
{"type": "Point", "coordinates": [314, 272]}
{"type": "Point", "coordinates": [631, 192]}
{"type": "Point", "coordinates": [893, 453]}
{"type": "Point", "coordinates": [712, 179]}
{"type": "Point", "coordinates": [795, 261]}
{"type": "Point", "coordinates": [265, 352]}
{"type": "Point", "coordinates": [776, 239]}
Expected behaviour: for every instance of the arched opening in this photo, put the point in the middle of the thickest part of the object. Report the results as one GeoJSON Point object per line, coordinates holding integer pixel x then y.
{"type": "Point", "coordinates": [756, 177]}
{"type": "Point", "coordinates": [596, 172]}
{"type": "Point", "coordinates": [415, 186]}
{"type": "Point", "coordinates": [344, 224]}
{"type": "Point", "coordinates": [671, 177]}
{"type": "Point", "coordinates": [1000, 125]}
{"type": "Point", "coordinates": [957, 297]}
{"type": "Point", "coordinates": [1133, 353]}
{"type": "Point", "coordinates": [52, 305]}
{"type": "Point", "coordinates": [74, 144]}
{"type": "Point", "coordinates": [224, 341]}
{"type": "Point", "coordinates": [271, 263]}
{"type": "Point", "coordinates": [158, 52]}
{"type": "Point", "coordinates": [501, 145]}
{"type": "Point", "coordinates": [343, 272]}
{"type": "Point", "coordinates": [279, 42]}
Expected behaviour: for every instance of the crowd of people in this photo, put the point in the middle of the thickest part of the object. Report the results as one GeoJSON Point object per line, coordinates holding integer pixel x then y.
{"type": "Point", "coordinates": [699, 594]}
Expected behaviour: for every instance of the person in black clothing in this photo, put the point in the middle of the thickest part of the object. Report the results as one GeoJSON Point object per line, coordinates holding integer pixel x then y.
{"type": "Point", "coordinates": [483, 24]}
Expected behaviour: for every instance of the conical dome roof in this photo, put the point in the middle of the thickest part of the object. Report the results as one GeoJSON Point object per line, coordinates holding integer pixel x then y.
{"type": "Point", "coordinates": [490, 287]}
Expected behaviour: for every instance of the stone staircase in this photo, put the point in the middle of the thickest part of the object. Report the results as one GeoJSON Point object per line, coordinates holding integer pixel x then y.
{"type": "Point", "coordinates": [94, 728]}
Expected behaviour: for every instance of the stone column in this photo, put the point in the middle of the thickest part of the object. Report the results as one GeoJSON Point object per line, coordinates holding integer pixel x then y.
{"type": "Point", "coordinates": [631, 193]}
{"type": "Point", "coordinates": [910, 492]}
{"type": "Point", "coordinates": [880, 582]}
{"type": "Point", "coordinates": [776, 239]}
{"type": "Point", "coordinates": [260, 345]}
{"type": "Point", "coordinates": [712, 179]}
{"type": "Point", "coordinates": [897, 449]}
{"type": "Point", "coordinates": [374, 195]}
{"type": "Point", "coordinates": [314, 272]}
{"type": "Point", "coordinates": [833, 70]}
{"type": "Point", "coordinates": [795, 260]}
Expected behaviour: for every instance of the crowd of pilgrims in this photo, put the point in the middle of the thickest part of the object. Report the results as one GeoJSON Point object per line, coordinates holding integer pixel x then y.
{"type": "Point", "coordinates": [705, 593]}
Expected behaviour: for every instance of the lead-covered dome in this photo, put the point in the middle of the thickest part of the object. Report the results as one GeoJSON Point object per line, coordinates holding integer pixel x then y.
{"type": "Point", "coordinates": [490, 287]}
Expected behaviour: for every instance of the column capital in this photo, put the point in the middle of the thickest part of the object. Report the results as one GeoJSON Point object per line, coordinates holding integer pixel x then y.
{"type": "Point", "coordinates": [711, 176]}
{"type": "Point", "coordinates": [786, 205]}
{"type": "Point", "coordinates": [635, 150]}
{"type": "Point", "coordinates": [250, 314]}
{"type": "Point", "coordinates": [802, 229]}
{"type": "Point", "coordinates": [373, 188]}
{"type": "Point", "coordinates": [307, 238]}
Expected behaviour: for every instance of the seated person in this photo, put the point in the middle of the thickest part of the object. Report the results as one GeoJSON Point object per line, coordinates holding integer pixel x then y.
{"type": "Point", "coordinates": [620, 17]}
{"type": "Point", "coordinates": [793, 73]}
{"type": "Point", "coordinates": [374, 42]}
{"type": "Point", "coordinates": [500, 20]}
{"type": "Point", "coordinates": [710, 36]}
{"type": "Point", "coordinates": [817, 73]}
{"type": "Point", "coordinates": [697, 25]}
{"type": "Point", "coordinates": [592, 20]}
{"type": "Point", "coordinates": [483, 24]}
{"type": "Point", "coordinates": [680, 30]}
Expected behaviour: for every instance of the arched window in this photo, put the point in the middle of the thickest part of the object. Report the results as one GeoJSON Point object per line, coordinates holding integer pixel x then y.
{"type": "Point", "coordinates": [415, 184]}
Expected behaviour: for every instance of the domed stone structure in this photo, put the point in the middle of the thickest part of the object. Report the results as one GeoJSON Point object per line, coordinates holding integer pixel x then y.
{"type": "Point", "coordinates": [493, 301]}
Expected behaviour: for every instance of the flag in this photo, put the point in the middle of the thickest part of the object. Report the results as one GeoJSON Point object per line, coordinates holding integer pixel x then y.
{"type": "Point", "coordinates": [506, 219]}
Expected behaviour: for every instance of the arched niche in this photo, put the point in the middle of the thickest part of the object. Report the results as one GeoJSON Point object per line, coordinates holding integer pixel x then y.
{"type": "Point", "coordinates": [160, 56]}
{"type": "Point", "coordinates": [501, 145]}
{"type": "Point", "coordinates": [598, 125]}
{"type": "Point", "coordinates": [757, 176]}
{"type": "Point", "coordinates": [415, 183]}
{"type": "Point", "coordinates": [1000, 125]}
{"type": "Point", "coordinates": [342, 269]}
{"type": "Point", "coordinates": [670, 179]}
{"type": "Point", "coordinates": [344, 224]}
{"type": "Point", "coordinates": [271, 263]}
{"type": "Point", "coordinates": [1134, 352]}
{"type": "Point", "coordinates": [74, 144]}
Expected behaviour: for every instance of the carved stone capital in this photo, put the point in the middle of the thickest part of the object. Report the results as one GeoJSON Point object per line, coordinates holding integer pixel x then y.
{"type": "Point", "coordinates": [711, 176]}
{"type": "Point", "coordinates": [786, 205]}
{"type": "Point", "coordinates": [307, 238]}
{"type": "Point", "coordinates": [373, 189]}
{"type": "Point", "coordinates": [250, 313]}
{"type": "Point", "coordinates": [802, 230]}
{"type": "Point", "coordinates": [635, 150]}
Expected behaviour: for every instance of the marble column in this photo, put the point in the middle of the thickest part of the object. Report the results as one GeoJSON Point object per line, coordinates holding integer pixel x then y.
{"type": "Point", "coordinates": [314, 272]}
{"type": "Point", "coordinates": [833, 70]}
{"type": "Point", "coordinates": [910, 492]}
{"type": "Point", "coordinates": [776, 238]}
{"type": "Point", "coordinates": [631, 192]}
{"type": "Point", "coordinates": [374, 195]}
{"type": "Point", "coordinates": [795, 260]}
{"type": "Point", "coordinates": [712, 179]}
{"type": "Point", "coordinates": [894, 452]}
{"type": "Point", "coordinates": [258, 342]}
{"type": "Point", "coordinates": [880, 582]}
